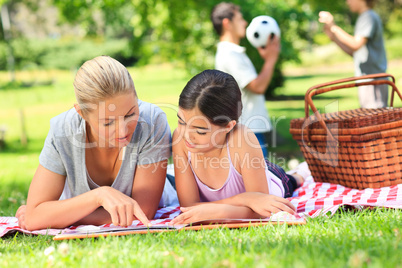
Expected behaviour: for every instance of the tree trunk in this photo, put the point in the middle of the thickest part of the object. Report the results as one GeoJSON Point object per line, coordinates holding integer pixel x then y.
{"type": "Point", "coordinates": [5, 21]}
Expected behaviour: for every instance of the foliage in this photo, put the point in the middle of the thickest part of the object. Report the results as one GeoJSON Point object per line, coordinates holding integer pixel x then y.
{"type": "Point", "coordinates": [63, 53]}
{"type": "Point", "coordinates": [181, 31]}
{"type": "Point", "coordinates": [394, 28]}
{"type": "Point", "coordinates": [390, 12]}
{"type": "Point", "coordinates": [173, 30]}
{"type": "Point", "coordinates": [296, 22]}
{"type": "Point", "coordinates": [98, 17]}
{"type": "Point", "coordinates": [11, 5]}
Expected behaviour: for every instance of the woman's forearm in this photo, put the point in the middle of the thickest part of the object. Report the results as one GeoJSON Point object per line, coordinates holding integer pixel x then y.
{"type": "Point", "coordinates": [236, 200]}
{"type": "Point", "coordinates": [61, 213]}
{"type": "Point", "coordinates": [239, 212]}
{"type": "Point", "coordinates": [99, 217]}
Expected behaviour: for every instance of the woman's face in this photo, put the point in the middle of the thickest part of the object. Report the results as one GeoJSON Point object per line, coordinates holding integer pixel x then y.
{"type": "Point", "coordinates": [113, 122]}
{"type": "Point", "coordinates": [199, 134]}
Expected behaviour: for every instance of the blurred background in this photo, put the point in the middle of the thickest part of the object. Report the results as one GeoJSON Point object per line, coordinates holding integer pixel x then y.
{"type": "Point", "coordinates": [62, 34]}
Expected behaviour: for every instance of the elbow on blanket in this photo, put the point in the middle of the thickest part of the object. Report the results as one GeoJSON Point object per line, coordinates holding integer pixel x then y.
{"type": "Point", "coordinates": [32, 225]}
{"type": "Point", "coordinates": [29, 225]}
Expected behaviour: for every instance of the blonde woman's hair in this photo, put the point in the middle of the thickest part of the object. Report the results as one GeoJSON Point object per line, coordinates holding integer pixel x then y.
{"type": "Point", "coordinates": [99, 79]}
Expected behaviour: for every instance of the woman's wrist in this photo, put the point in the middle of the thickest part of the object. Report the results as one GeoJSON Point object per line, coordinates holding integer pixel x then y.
{"type": "Point", "coordinates": [99, 193]}
{"type": "Point", "coordinates": [240, 199]}
{"type": "Point", "coordinates": [234, 212]}
{"type": "Point", "coordinates": [224, 211]}
{"type": "Point", "coordinates": [246, 198]}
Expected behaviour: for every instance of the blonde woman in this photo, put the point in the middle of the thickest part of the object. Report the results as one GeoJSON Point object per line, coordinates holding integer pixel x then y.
{"type": "Point", "coordinates": [103, 161]}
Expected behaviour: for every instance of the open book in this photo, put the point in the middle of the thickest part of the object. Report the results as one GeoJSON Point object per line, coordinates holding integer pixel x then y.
{"type": "Point", "coordinates": [91, 229]}
{"type": "Point", "coordinates": [86, 231]}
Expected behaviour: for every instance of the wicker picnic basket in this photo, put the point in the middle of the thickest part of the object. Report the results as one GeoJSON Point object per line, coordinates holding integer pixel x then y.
{"type": "Point", "coordinates": [359, 148]}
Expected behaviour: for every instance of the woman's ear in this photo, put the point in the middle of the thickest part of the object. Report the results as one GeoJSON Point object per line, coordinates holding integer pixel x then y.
{"type": "Point", "coordinates": [230, 126]}
{"type": "Point", "coordinates": [78, 110]}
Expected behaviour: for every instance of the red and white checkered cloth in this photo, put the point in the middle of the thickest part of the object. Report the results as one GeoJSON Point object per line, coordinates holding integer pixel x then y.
{"type": "Point", "coordinates": [9, 225]}
{"type": "Point", "coordinates": [312, 199]}
{"type": "Point", "coordinates": [317, 198]}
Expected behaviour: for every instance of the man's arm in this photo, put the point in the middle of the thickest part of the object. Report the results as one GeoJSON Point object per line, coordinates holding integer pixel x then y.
{"type": "Point", "coordinates": [345, 41]}
{"type": "Point", "coordinates": [270, 54]}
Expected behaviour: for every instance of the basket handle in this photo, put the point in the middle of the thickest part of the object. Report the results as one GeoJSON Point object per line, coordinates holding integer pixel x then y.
{"type": "Point", "coordinates": [344, 83]}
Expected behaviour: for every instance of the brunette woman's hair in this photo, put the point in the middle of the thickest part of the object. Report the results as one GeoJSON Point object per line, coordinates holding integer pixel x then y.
{"type": "Point", "coordinates": [216, 94]}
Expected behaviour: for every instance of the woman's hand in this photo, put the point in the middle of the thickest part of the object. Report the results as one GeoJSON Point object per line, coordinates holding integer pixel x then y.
{"type": "Point", "coordinates": [266, 204]}
{"type": "Point", "coordinates": [121, 207]}
{"type": "Point", "coordinates": [20, 215]}
{"type": "Point", "coordinates": [201, 212]}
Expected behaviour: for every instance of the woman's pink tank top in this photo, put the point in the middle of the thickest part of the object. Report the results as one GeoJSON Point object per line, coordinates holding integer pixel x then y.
{"type": "Point", "coordinates": [234, 184]}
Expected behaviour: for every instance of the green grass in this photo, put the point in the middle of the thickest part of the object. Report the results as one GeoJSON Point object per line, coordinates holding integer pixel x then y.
{"type": "Point", "coordinates": [370, 238]}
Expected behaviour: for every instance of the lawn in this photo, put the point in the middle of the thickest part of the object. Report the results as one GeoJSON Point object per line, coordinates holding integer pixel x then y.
{"type": "Point", "coordinates": [371, 238]}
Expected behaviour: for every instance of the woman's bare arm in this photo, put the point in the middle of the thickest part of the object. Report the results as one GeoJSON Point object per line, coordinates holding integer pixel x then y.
{"type": "Point", "coordinates": [45, 210]}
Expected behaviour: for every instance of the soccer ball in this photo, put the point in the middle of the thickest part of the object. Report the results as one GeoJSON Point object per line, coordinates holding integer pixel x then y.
{"type": "Point", "coordinates": [260, 29]}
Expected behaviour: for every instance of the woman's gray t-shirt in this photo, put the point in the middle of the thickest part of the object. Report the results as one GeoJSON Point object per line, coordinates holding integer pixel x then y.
{"type": "Point", "coordinates": [64, 149]}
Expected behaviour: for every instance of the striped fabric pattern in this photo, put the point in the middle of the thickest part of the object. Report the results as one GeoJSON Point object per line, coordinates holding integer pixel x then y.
{"type": "Point", "coordinates": [313, 199]}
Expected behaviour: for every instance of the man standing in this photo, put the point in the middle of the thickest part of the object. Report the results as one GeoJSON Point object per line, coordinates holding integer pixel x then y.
{"type": "Point", "coordinates": [366, 47]}
{"type": "Point", "coordinates": [231, 58]}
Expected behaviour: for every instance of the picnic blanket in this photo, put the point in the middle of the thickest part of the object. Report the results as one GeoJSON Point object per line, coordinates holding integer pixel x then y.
{"type": "Point", "coordinates": [318, 198]}
{"type": "Point", "coordinates": [9, 225]}
{"type": "Point", "coordinates": [311, 200]}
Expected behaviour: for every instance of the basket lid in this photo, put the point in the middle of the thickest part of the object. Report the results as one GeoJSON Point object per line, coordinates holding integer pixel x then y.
{"type": "Point", "coordinates": [357, 118]}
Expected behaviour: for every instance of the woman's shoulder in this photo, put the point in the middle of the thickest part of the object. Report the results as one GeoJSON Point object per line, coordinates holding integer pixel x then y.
{"type": "Point", "coordinates": [150, 112]}
{"type": "Point", "coordinates": [242, 139]}
{"type": "Point", "coordinates": [241, 133]}
{"type": "Point", "coordinates": [152, 120]}
{"type": "Point", "coordinates": [178, 144]}
{"type": "Point", "coordinates": [67, 124]}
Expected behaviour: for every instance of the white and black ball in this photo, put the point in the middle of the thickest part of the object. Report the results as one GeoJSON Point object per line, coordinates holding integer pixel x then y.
{"type": "Point", "coordinates": [260, 29]}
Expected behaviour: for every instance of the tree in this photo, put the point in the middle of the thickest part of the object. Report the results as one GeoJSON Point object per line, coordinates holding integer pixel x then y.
{"type": "Point", "coordinates": [181, 32]}
{"type": "Point", "coordinates": [5, 25]}
{"type": "Point", "coordinates": [7, 33]}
